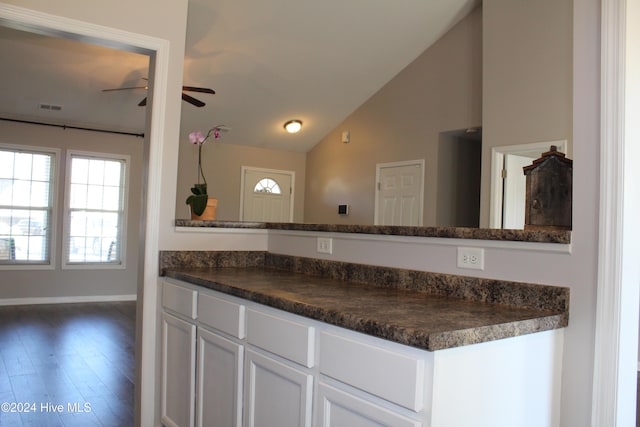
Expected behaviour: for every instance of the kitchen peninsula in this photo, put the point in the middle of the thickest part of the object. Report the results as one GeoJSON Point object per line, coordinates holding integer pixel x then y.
{"type": "Point", "coordinates": [353, 341]}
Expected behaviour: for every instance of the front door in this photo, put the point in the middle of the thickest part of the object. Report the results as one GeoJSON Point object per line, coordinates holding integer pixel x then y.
{"type": "Point", "coordinates": [399, 193]}
{"type": "Point", "coordinates": [267, 195]}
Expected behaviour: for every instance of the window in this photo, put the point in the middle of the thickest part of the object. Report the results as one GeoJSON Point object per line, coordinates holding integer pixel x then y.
{"type": "Point", "coordinates": [267, 185]}
{"type": "Point", "coordinates": [26, 204]}
{"type": "Point", "coordinates": [95, 209]}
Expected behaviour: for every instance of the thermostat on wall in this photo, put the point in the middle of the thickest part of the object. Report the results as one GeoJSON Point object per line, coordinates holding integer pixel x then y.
{"type": "Point", "coordinates": [343, 209]}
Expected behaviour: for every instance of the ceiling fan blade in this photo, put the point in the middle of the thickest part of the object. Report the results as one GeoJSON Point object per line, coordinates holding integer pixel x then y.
{"type": "Point", "coordinates": [143, 102]}
{"type": "Point", "coordinates": [125, 88]}
{"type": "Point", "coordinates": [192, 100]}
{"type": "Point", "coordinates": [198, 89]}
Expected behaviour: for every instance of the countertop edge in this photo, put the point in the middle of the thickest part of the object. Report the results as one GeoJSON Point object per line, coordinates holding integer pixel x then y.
{"type": "Point", "coordinates": [535, 236]}
{"type": "Point", "coordinates": [430, 341]}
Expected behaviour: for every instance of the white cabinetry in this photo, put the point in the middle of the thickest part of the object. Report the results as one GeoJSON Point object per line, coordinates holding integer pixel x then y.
{"type": "Point", "coordinates": [337, 408]}
{"type": "Point", "coordinates": [219, 397]}
{"type": "Point", "coordinates": [262, 367]}
{"type": "Point", "coordinates": [178, 356]}
{"type": "Point", "coordinates": [178, 371]}
{"type": "Point", "coordinates": [276, 394]}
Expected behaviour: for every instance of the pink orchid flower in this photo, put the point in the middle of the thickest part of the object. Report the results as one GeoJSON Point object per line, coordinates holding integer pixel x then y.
{"type": "Point", "coordinates": [196, 137]}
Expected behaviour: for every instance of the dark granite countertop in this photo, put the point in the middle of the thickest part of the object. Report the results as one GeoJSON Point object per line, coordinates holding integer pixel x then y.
{"type": "Point", "coordinates": [411, 317]}
{"type": "Point", "coordinates": [540, 236]}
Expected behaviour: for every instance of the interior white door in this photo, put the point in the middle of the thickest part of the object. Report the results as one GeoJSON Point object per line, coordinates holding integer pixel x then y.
{"type": "Point", "coordinates": [400, 193]}
{"type": "Point", "coordinates": [267, 195]}
{"type": "Point", "coordinates": [514, 196]}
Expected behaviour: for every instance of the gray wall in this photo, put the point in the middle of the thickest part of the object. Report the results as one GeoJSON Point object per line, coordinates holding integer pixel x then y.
{"type": "Point", "coordinates": [439, 91]}
{"type": "Point", "coordinates": [527, 77]}
{"type": "Point", "coordinates": [58, 283]}
{"type": "Point", "coordinates": [222, 164]}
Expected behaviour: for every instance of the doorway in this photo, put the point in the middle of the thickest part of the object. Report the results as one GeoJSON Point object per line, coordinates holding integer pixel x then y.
{"type": "Point", "coordinates": [266, 195]}
{"type": "Point", "coordinates": [508, 192]}
{"type": "Point", "coordinates": [399, 193]}
{"type": "Point", "coordinates": [160, 63]}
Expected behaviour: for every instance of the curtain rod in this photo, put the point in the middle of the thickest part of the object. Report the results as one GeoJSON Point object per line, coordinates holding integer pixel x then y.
{"type": "Point", "coordinates": [139, 135]}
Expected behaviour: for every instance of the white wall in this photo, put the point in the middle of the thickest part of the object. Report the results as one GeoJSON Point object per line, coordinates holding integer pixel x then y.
{"type": "Point", "coordinates": [58, 284]}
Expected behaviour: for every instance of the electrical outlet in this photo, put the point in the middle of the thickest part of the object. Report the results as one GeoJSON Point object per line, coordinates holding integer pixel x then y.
{"type": "Point", "coordinates": [472, 258]}
{"type": "Point", "coordinates": [324, 245]}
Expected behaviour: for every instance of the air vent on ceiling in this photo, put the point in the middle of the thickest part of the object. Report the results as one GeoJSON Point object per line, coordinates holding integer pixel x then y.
{"type": "Point", "coordinates": [49, 107]}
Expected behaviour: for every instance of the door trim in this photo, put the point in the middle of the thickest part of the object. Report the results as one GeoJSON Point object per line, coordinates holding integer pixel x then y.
{"type": "Point", "coordinates": [244, 169]}
{"type": "Point", "coordinates": [379, 167]}
{"type": "Point", "coordinates": [497, 162]}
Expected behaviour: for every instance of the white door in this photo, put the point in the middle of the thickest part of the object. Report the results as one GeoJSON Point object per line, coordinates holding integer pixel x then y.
{"type": "Point", "coordinates": [514, 197]}
{"type": "Point", "coordinates": [399, 193]}
{"type": "Point", "coordinates": [512, 194]}
{"type": "Point", "coordinates": [267, 195]}
{"type": "Point", "coordinates": [276, 394]}
{"type": "Point", "coordinates": [178, 371]}
{"type": "Point", "coordinates": [219, 381]}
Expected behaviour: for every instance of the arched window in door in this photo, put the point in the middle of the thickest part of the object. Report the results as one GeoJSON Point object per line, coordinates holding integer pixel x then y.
{"type": "Point", "coordinates": [267, 185]}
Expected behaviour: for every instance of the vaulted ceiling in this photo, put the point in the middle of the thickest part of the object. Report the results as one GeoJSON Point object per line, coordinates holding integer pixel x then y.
{"type": "Point", "coordinates": [268, 61]}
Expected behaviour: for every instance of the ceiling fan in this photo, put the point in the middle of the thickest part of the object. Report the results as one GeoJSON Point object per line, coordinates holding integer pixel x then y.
{"type": "Point", "coordinates": [190, 99]}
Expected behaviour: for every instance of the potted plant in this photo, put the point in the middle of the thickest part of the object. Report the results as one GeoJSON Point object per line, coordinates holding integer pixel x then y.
{"type": "Point", "coordinates": [202, 206]}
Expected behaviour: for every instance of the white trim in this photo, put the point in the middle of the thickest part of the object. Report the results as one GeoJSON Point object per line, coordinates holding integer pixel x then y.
{"type": "Point", "coordinates": [221, 230]}
{"type": "Point", "coordinates": [245, 169]}
{"type": "Point", "coordinates": [497, 161]}
{"type": "Point", "coordinates": [433, 241]}
{"type": "Point", "coordinates": [66, 227]}
{"type": "Point", "coordinates": [67, 300]}
{"type": "Point", "coordinates": [616, 329]}
{"type": "Point", "coordinates": [36, 21]}
{"type": "Point", "coordinates": [379, 166]}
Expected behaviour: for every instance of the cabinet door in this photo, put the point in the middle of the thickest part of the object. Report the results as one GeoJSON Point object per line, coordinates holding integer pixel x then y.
{"type": "Point", "coordinates": [276, 394]}
{"type": "Point", "coordinates": [219, 383]}
{"type": "Point", "coordinates": [337, 408]}
{"type": "Point", "coordinates": [178, 372]}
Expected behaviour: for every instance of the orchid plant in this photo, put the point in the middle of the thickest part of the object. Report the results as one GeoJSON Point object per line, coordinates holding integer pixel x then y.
{"type": "Point", "coordinates": [198, 200]}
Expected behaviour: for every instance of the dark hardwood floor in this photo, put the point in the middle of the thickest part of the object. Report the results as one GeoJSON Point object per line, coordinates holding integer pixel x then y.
{"type": "Point", "coordinates": [67, 364]}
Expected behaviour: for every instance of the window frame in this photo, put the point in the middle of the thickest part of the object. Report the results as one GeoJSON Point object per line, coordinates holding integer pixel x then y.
{"type": "Point", "coordinates": [55, 154]}
{"type": "Point", "coordinates": [95, 265]}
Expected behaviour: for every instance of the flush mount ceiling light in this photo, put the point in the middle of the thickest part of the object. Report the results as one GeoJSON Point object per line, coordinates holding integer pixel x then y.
{"type": "Point", "coordinates": [293, 126]}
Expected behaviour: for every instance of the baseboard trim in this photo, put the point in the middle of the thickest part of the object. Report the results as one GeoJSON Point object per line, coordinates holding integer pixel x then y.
{"type": "Point", "coordinates": [67, 300]}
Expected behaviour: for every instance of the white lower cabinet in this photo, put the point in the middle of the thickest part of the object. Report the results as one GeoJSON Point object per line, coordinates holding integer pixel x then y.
{"type": "Point", "coordinates": [219, 381]}
{"type": "Point", "coordinates": [338, 408]}
{"type": "Point", "coordinates": [178, 371]}
{"type": "Point", "coordinates": [276, 394]}
{"type": "Point", "coordinates": [260, 367]}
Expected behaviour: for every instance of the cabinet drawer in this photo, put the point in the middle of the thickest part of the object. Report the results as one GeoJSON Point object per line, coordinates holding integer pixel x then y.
{"type": "Point", "coordinates": [281, 336]}
{"type": "Point", "coordinates": [393, 376]}
{"type": "Point", "coordinates": [226, 316]}
{"type": "Point", "coordinates": [180, 299]}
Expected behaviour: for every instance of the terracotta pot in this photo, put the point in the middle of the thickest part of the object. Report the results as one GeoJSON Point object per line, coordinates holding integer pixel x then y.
{"type": "Point", "coordinates": [209, 213]}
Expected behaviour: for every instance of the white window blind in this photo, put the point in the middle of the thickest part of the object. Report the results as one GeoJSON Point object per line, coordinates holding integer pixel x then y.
{"type": "Point", "coordinates": [95, 211]}
{"type": "Point", "coordinates": [26, 205]}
